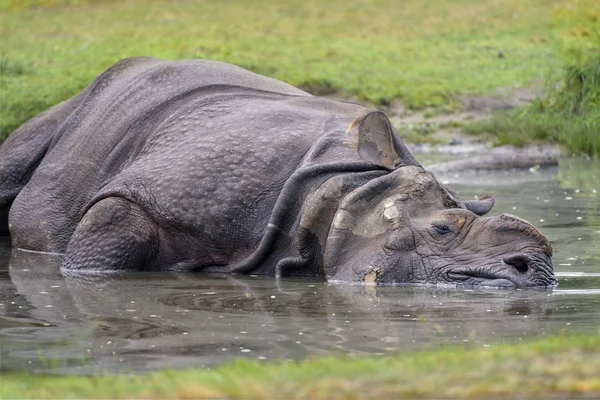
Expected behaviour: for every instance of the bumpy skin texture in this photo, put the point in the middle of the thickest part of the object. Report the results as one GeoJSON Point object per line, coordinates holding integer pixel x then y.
{"type": "Point", "coordinates": [199, 165]}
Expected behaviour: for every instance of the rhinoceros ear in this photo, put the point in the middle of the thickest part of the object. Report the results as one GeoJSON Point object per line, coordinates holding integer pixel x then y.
{"type": "Point", "coordinates": [376, 140]}
{"type": "Point", "coordinates": [481, 206]}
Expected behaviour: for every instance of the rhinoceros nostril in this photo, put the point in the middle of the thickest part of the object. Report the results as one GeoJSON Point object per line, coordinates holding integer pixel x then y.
{"type": "Point", "coordinates": [519, 262]}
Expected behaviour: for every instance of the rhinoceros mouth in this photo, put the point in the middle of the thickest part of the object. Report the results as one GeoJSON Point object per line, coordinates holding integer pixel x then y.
{"type": "Point", "coordinates": [483, 279]}
{"type": "Point", "coordinates": [470, 278]}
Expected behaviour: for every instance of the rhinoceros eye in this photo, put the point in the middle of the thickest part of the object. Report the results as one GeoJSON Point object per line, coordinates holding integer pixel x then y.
{"type": "Point", "coordinates": [441, 228]}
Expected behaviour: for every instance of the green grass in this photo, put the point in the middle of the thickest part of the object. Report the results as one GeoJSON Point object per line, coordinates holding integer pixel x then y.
{"type": "Point", "coordinates": [424, 53]}
{"type": "Point", "coordinates": [568, 114]}
{"type": "Point", "coordinates": [558, 367]}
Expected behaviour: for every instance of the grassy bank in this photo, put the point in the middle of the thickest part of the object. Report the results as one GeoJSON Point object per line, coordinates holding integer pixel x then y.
{"type": "Point", "coordinates": [568, 113]}
{"type": "Point", "coordinates": [558, 366]}
{"type": "Point", "coordinates": [424, 53]}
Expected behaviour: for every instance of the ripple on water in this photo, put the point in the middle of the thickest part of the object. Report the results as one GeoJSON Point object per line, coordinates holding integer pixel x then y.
{"type": "Point", "coordinates": [140, 322]}
{"type": "Point", "coordinates": [576, 291]}
{"type": "Point", "coordinates": [577, 274]}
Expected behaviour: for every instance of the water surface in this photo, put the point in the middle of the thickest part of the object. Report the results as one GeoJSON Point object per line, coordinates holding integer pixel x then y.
{"type": "Point", "coordinates": [145, 321]}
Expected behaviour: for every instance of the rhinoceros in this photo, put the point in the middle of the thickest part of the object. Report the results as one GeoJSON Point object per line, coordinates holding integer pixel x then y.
{"type": "Point", "coordinates": [199, 165]}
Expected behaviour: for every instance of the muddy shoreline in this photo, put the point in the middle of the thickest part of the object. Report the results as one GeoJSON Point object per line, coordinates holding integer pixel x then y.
{"type": "Point", "coordinates": [438, 141]}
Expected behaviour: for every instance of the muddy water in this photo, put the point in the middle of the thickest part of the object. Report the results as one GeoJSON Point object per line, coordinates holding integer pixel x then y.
{"type": "Point", "coordinates": [140, 321]}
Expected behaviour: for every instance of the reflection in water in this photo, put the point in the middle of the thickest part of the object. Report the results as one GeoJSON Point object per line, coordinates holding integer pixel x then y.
{"type": "Point", "coordinates": [141, 321]}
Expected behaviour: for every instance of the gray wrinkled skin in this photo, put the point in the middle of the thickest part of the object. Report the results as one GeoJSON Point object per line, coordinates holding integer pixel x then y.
{"type": "Point", "coordinates": [199, 165]}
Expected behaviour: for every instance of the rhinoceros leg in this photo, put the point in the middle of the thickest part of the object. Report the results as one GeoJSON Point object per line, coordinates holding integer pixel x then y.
{"type": "Point", "coordinates": [114, 234]}
{"type": "Point", "coordinates": [25, 148]}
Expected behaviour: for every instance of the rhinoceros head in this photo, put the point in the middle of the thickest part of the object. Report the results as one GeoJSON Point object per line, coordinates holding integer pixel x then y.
{"type": "Point", "coordinates": [406, 227]}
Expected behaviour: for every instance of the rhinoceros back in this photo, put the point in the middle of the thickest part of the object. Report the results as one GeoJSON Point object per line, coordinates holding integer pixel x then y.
{"type": "Point", "coordinates": [120, 111]}
{"type": "Point", "coordinates": [163, 134]}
